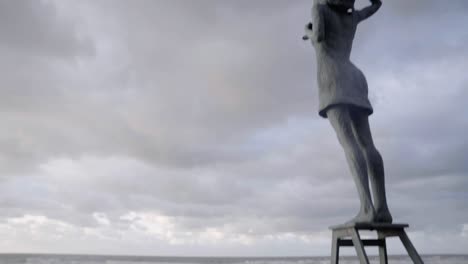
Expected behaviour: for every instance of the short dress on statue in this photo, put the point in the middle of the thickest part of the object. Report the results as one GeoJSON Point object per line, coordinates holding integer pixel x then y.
{"type": "Point", "coordinates": [339, 80]}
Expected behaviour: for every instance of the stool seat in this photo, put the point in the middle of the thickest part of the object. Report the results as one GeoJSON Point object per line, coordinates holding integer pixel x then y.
{"type": "Point", "coordinates": [369, 226]}
{"type": "Point", "coordinates": [347, 235]}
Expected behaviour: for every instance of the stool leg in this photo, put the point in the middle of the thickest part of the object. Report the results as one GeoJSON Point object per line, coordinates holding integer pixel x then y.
{"type": "Point", "coordinates": [359, 247]}
{"type": "Point", "coordinates": [335, 254]}
{"type": "Point", "coordinates": [383, 249]}
{"type": "Point", "coordinates": [410, 248]}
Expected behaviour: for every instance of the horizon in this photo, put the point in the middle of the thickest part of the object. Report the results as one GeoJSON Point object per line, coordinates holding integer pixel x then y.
{"type": "Point", "coordinates": [175, 127]}
{"type": "Point", "coordinates": [351, 255]}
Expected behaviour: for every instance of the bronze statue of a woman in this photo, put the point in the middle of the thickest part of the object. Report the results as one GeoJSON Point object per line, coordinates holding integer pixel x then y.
{"type": "Point", "coordinates": [343, 95]}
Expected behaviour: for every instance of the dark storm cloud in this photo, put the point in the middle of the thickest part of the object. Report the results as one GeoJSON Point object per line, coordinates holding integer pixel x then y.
{"type": "Point", "coordinates": [205, 112]}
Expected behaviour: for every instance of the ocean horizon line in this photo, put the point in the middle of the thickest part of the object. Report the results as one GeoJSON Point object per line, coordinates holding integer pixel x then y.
{"type": "Point", "coordinates": [217, 257]}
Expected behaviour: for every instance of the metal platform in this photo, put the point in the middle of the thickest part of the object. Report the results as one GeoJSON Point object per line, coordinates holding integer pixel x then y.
{"type": "Point", "coordinates": [347, 235]}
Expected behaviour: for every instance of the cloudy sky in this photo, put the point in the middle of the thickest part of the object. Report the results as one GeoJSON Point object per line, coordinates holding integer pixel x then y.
{"type": "Point", "coordinates": [179, 127]}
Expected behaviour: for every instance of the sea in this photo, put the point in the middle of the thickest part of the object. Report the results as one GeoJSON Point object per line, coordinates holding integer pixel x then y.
{"type": "Point", "coordinates": [92, 259]}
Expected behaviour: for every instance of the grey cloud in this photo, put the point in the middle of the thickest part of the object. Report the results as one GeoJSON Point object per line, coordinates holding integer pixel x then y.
{"type": "Point", "coordinates": [35, 28]}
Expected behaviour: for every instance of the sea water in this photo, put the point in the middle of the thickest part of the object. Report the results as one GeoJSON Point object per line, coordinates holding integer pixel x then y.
{"type": "Point", "coordinates": [90, 259]}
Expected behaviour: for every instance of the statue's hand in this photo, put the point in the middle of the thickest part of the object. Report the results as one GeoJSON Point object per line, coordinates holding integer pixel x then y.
{"type": "Point", "coordinates": [308, 31]}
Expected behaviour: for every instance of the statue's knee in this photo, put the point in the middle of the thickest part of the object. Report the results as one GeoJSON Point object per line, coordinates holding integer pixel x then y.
{"type": "Point", "coordinates": [354, 152]}
{"type": "Point", "coordinates": [373, 154]}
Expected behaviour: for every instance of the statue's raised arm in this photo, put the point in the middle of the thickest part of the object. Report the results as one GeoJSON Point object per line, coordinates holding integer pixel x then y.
{"type": "Point", "coordinates": [367, 12]}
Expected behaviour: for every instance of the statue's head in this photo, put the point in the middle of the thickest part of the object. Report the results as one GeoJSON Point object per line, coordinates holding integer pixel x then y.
{"type": "Point", "coordinates": [342, 4]}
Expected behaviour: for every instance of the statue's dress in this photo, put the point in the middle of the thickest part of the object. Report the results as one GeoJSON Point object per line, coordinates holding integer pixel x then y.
{"type": "Point", "coordinates": [339, 80]}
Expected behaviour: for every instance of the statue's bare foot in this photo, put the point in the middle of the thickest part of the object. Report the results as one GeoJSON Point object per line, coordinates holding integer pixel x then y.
{"type": "Point", "coordinates": [384, 216]}
{"type": "Point", "coordinates": [364, 216]}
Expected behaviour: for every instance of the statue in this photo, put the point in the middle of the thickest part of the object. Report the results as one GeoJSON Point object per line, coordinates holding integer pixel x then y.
{"type": "Point", "coordinates": [343, 96]}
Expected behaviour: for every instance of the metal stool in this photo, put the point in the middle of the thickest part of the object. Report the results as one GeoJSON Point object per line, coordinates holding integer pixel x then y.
{"type": "Point", "coordinates": [348, 235]}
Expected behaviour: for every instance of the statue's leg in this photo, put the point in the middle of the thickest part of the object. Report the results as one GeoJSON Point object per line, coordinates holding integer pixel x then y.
{"type": "Point", "coordinates": [375, 165]}
{"type": "Point", "coordinates": [340, 119]}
